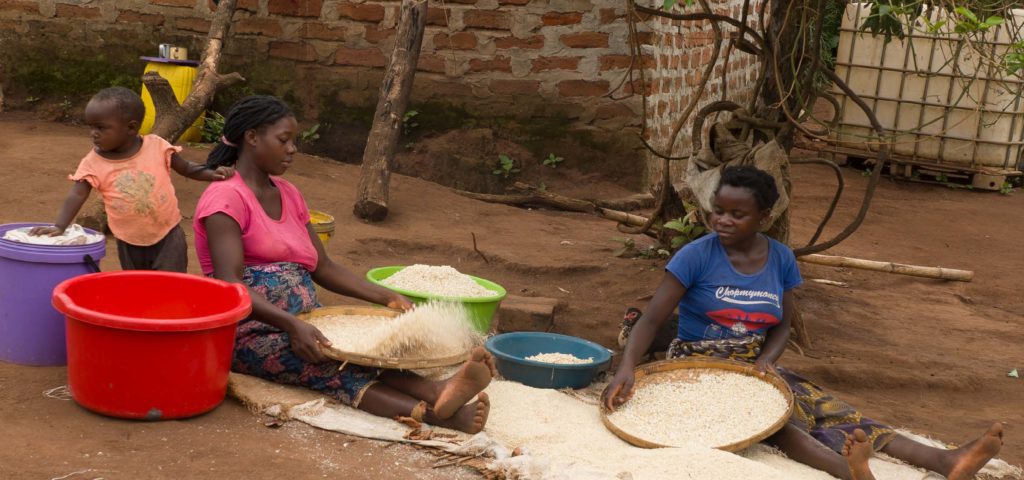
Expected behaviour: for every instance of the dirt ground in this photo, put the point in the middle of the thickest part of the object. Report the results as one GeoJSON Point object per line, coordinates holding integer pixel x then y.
{"type": "Point", "coordinates": [927, 355]}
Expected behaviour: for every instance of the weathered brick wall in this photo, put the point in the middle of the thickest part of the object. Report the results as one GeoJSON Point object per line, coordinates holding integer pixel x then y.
{"type": "Point", "coordinates": [683, 51]}
{"type": "Point", "coordinates": [512, 58]}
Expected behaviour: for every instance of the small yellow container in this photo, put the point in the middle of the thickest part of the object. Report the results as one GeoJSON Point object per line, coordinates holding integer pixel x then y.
{"type": "Point", "coordinates": [180, 77]}
{"type": "Point", "coordinates": [323, 225]}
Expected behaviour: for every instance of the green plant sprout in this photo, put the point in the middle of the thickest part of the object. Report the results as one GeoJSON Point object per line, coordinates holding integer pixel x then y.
{"type": "Point", "coordinates": [310, 135]}
{"type": "Point", "coordinates": [506, 166]}
{"type": "Point", "coordinates": [213, 127]}
{"type": "Point", "coordinates": [552, 160]}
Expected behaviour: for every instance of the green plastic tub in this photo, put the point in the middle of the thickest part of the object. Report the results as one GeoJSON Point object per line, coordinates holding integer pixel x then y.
{"type": "Point", "coordinates": [481, 309]}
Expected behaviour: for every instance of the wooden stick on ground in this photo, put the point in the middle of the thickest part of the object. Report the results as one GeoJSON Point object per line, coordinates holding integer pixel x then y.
{"type": "Point", "coordinates": [559, 202]}
{"type": "Point", "coordinates": [889, 267]}
{"type": "Point", "coordinates": [829, 282]}
{"type": "Point", "coordinates": [623, 217]}
{"type": "Point", "coordinates": [632, 202]}
{"type": "Point", "coordinates": [533, 196]}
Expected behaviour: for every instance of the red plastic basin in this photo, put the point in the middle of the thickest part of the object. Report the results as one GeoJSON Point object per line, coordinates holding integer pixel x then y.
{"type": "Point", "coordinates": [149, 345]}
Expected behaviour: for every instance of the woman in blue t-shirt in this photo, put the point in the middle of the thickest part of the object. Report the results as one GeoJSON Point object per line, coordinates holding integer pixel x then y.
{"type": "Point", "coordinates": [734, 291]}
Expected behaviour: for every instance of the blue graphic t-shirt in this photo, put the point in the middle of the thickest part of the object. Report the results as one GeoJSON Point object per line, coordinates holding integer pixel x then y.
{"type": "Point", "coordinates": [723, 303]}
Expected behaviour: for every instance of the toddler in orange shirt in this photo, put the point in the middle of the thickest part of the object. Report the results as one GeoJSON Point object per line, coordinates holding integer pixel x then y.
{"type": "Point", "coordinates": [132, 173]}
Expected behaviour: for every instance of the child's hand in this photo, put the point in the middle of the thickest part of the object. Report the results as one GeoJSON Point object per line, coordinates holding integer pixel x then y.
{"type": "Point", "coordinates": [52, 231]}
{"type": "Point", "coordinates": [222, 173]}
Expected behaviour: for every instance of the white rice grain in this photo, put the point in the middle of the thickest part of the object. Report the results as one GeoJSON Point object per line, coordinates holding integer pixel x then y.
{"type": "Point", "coordinates": [430, 330]}
{"type": "Point", "coordinates": [560, 359]}
{"type": "Point", "coordinates": [348, 332]}
{"type": "Point", "coordinates": [569, 434]}
{"type": "Point", "coordinates": [443, 281]}
{"type": "Point", "coordinates": [715, 409]}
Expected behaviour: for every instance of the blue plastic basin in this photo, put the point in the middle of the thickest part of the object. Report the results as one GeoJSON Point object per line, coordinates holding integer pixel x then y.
{"type": "Point", "coordinates": [511, 349]}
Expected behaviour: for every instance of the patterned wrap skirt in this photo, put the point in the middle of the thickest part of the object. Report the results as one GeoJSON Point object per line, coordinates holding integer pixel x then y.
{"type": "Point", "coordinates": [823, 416]}
{"type": "Point", "coordinates": [265, 351]}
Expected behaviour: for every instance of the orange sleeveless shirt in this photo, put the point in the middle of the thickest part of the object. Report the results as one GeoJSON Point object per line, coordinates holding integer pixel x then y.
{"type": "Point", "coordinates": [137, 191]}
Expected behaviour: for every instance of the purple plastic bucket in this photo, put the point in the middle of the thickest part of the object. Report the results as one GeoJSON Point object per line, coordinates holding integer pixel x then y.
{"type": "Point", "coordinates": [31, 330]}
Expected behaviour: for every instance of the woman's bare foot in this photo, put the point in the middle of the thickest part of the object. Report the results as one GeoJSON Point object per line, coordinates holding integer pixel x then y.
{"type": "Point", "coordinates": [489, 361]}
{"type": "Point", "coordinates": [469, 418]}
{"type": "Point", "coordinates": [858, 451]}
{"type": "Point", "coordinates": [471, 379]}
{"type": "Point", "coordinates": [967, 460]}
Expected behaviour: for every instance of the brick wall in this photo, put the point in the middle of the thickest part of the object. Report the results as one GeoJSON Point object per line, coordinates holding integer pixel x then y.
{"type": "Point", "coordinates": [682, 53]}
{"type": "Point", "coordinates": [515, 58]}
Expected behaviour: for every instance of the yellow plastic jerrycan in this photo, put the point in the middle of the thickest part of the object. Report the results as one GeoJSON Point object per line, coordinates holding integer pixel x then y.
{"type": "Point", "coordinates": [181, 74]}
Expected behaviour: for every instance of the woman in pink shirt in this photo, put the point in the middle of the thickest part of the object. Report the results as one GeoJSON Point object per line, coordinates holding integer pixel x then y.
{"type": "Point", "coordinates": [254, 229]}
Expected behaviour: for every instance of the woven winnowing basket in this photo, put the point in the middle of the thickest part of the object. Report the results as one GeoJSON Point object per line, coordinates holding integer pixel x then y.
{"type": "Point", "coordinates": [649, 373]}
{"type": "Point", "coordinates": [354, 313]}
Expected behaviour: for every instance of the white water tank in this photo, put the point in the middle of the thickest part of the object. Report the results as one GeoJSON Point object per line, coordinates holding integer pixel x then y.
{"type": "Point", "coordinates": [940, 104]}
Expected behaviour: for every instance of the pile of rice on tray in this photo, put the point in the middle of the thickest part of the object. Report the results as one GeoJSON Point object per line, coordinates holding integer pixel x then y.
{"type": "Point", "coordinates": [430, 330]}
{"type": "Point", "coordinates": [705, 407]}
{"type": "Point", "coordinates": [443, 281]}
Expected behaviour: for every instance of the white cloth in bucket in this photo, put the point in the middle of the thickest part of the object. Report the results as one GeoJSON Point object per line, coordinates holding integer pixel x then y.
{"type": "Point", "coordinates": [73, 235]}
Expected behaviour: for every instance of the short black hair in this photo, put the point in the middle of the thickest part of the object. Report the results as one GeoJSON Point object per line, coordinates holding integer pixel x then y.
{"type": "Point", "coordinates": [758, 181]}
{"type": "Point", "coordinates": [126, 101]}
{"type": "Point", "coordinates": [250, 113]}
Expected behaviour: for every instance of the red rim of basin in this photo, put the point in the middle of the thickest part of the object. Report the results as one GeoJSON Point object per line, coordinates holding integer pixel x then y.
{"type": "Point", "coordinates": [64, 304]}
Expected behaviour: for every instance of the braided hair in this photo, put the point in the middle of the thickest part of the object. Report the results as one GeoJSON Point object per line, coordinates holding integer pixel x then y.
{"type": "Point", "coordinates": [758, 181]}
{"type": "Point", "coordinates": [127, 102]}
{"type": "Point", "coordinates": [255, 112]}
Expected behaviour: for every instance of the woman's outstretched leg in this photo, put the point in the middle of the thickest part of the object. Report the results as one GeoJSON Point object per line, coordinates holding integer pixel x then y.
{"type": "Point", "coordinates": [802, 447]}
{"type": "Point", "coordinates": [858, 451]}
{"type": "Point", "coordinates": [958, 464]}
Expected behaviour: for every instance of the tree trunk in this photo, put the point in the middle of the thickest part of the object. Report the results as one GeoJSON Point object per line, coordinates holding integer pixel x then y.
{"type": "Point", "coordinates": [173, 119]}
{"type": "Point", "coordinates": [372, 200]}
{"type": "Point", "coordinates": [782, 38]}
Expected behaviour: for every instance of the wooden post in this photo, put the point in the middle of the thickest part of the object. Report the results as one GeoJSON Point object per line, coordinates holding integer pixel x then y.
{"type": "Point", "coordinates": [372, 193]}
{"type": "Point", "coordinates": [173, 119]}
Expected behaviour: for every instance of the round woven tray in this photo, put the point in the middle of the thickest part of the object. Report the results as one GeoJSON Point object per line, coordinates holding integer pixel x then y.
{"type": "Point", "coordinates": [337, 352]}
{"type": "Point", "coordinates": [649, 373]}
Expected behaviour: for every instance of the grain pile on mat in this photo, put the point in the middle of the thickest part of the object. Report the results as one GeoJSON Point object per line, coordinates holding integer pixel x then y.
{"type": "Point", "coordinates": [568, 434]}
{"type": "Point", "coordinates": [430, 330]}
{"type": "Point", "coordinates": [443, 281]}
{"type": "Point", "coordinates": [560, 359]}
{"type": "Point", "coordinates": [563, 439]}
{"type": "Point", "coordinates": [715, 409]}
